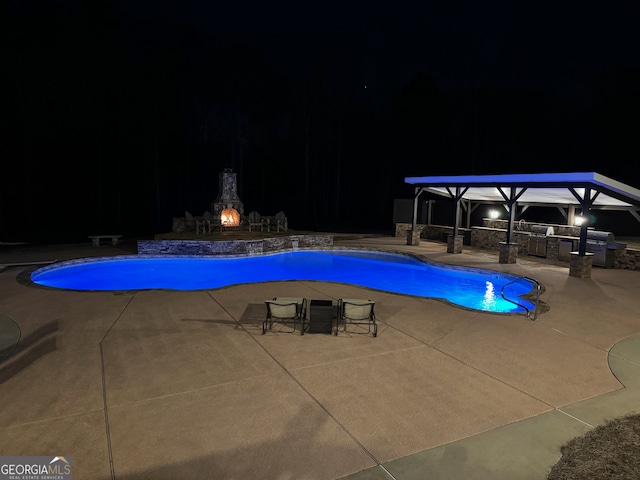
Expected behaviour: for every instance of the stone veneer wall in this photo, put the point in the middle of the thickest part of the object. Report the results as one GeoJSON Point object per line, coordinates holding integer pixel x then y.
{"type": "Point", "coordinates": [403, 228]}
{"type": "Point", "coordinates": [493, 232]}
{"type": "Point", "coordinates": [561, 230]}
{"type": "Point", "coordinates": [627, 258]}
{"type": "Point", "coordinates": [624, 258]}
{"type": "Point", "coordinates": [430, 232]}
{"type": "Point", "coordinates": [490, 238]}
{"type": "Point", "coordinates": [232, 247]}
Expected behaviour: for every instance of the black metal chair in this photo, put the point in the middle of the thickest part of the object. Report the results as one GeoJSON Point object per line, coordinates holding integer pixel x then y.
{"type": "Point", "coordinates": [357, 311]}
{"type": "Point", "coordinates": [286, 310]}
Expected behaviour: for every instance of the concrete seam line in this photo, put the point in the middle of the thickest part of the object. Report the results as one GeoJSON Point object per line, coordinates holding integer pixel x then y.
{"type": "Point", "coordinates": [575, 418]}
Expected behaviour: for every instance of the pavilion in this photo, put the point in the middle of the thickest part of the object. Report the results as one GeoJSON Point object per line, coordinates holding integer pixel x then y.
{"type": "Point", "coordinates": [565, 191]}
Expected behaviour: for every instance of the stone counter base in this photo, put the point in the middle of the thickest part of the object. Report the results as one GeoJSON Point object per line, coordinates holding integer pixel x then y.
{"type": "Point", "coordinates": [490, 238]}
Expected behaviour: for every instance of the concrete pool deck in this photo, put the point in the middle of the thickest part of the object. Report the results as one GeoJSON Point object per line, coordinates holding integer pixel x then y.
{"type": "Point", "coordinates": [162, 384]}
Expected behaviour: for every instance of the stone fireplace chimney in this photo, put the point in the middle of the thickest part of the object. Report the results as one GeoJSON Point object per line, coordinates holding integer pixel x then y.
{"type": "Point", "coordinates": [227, 194]}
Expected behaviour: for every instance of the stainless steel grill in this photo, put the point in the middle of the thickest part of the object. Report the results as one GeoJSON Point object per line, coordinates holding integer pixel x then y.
{"type": "Point", "coordinates": [603, 246]}
{"type": "Point", "coordinates": [538, 239]}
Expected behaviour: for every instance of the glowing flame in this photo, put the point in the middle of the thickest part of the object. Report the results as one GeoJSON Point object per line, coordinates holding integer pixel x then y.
{"type": "Point", "coordinates": [229, 217]}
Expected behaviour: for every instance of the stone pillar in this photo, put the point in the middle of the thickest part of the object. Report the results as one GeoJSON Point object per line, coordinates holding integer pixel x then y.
{"type": "Point", "coordinates": [454, 243]}
{"type": "Point", "coordinates": [413, 237]}
{"type": "Point", "coordinates": [580, 266]}
{"type": "Point", "coordinates": [508, 252]}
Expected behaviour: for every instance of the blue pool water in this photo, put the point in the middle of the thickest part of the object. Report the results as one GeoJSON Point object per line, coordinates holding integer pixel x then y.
{"type": "Point", "coordinates": [471, 288]}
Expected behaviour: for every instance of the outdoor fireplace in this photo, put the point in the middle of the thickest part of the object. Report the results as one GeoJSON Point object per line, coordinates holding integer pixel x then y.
{"type": "Point", "coordinates": [229, 217]}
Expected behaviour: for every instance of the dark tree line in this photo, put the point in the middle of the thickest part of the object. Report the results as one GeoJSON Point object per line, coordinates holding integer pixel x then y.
{"type": "Point", "coordinates": [117, 123]}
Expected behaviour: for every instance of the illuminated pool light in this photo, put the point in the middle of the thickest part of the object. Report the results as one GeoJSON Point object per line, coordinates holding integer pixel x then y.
{"type": "Point", "coordinates": [394, 273]}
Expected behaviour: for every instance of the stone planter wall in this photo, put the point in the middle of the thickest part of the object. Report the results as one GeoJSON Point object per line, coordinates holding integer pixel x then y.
{"type": "Point", "coordinates": [232, 247]}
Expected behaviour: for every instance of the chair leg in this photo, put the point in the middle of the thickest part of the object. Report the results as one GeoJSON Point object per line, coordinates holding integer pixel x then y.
{"type": "Point", "coordinates": [266, 325]}
{"type": "Point", "coordinates": [301, 328]}
{"type": "Point", "coordinates": [372, 327]}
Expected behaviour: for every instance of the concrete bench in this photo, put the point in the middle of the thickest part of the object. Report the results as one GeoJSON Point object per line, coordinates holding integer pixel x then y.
{"type": "Point", "coordinates": [95, 239]}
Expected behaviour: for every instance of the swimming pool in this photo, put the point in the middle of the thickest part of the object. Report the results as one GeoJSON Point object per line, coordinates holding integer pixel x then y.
{"type": "Point", "coordinates": [395, 273]}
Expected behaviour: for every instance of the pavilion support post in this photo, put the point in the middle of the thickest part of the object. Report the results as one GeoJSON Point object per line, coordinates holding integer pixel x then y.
{"type": "Point", "coordinates": [580, 265]}
{"type": "Point", "coordinates": [509, 250]}
{"type": "Point", "coordinates": [571, 215]}
{"type": "Point", "coordinates": [581, 262]}
{"type": "Point", "coordinates": [513, 208]}
{"type": "Point", "coordinates": [430, 211]}
{"type": "Point", "coordinates": [582, 248]}
{"type": "Point", "coordinates": [414, 216]}
{"type": "Point", "coordinates": [455, 241]}
{"type": "Point", "coordinates": [413, 235]}
{"type": "Point", "coordinates": [585, 201]}
{"type": "Point", "coordinates": [456, 224]}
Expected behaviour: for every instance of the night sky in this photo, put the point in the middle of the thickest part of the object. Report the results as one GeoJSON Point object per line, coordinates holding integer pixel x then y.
{"type": "Point", "coordinates": [119, 115]}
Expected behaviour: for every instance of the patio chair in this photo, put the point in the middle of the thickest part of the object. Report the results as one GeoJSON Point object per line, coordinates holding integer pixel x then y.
{"type": "Point", "coordinates": [213, 221]}
{"type": "Point", "coordinates": [204, 223]}
{"type": "Point", "coordinates": [281, 222]}
{"type": "Point", "coordinates": [286, 310]}
{"type": "Point", "coordinates": [190, 221]}
{"type": "Point", "coordinates": [255, 221]}
{"type": "Point", "coordinates": [357, 311]}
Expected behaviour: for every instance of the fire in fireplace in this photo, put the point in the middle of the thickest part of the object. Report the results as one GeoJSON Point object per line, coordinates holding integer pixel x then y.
{"type": "Point", "coordinates": [229, 217]}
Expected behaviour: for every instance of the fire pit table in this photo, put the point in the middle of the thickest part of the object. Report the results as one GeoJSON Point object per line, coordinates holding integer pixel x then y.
{"type": "Point", "coordinates": [321, 316]}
